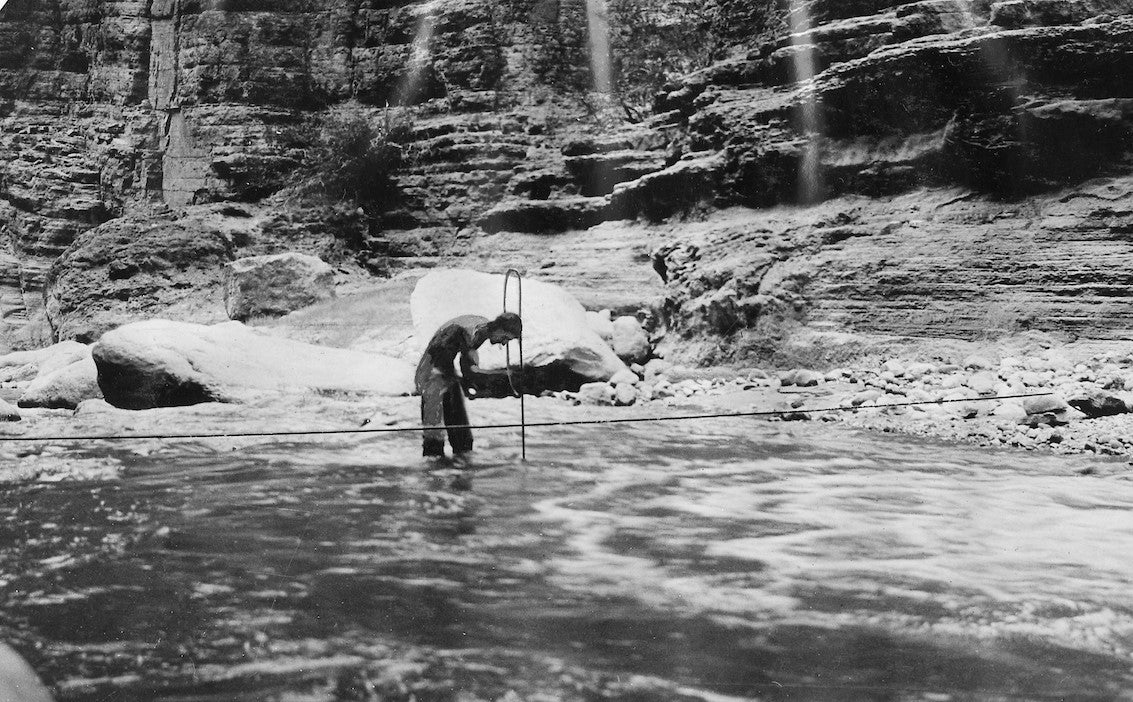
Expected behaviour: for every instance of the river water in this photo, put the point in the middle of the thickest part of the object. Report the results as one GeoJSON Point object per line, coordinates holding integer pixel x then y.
{"type": "Point", "coordinates": [735, 559]}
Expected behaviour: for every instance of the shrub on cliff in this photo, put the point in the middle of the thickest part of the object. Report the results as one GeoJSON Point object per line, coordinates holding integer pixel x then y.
{"type": "Point", "coordinates": [353, 159]}
{"type": "Point", "coordinates": [655, 41]}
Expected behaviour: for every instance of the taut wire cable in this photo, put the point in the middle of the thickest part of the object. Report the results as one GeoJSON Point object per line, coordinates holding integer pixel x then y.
{"type": "Point", "coordinates": [523, 425]}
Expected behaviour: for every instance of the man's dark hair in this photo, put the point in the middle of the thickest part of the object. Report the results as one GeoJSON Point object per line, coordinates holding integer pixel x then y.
{"type": "Point", "coordinates": [508, 322]}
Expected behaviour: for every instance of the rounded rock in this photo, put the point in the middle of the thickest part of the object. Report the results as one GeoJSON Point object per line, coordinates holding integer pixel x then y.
{"type": "Point", "coordinates": [596, 394]}
{"type": "Point", "coordinates": [625, 394]}
{"type": "Point", "coordinates": [1045, 404]}
{"type": "Point", "coordinates": [977, 362]}
{"type": "Point", "coordinates": [983, 382]}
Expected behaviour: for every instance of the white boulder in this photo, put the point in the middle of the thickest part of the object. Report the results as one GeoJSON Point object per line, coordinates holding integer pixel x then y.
{"type": "Point", "coordinates": [64, 388]}
{"type": "Point", "coordinates": [624, 394]}
{"type": "Point", "coordinates": [977, 362]}
{"type": "Point", "coordinates": [983, 382]}
{"type": "Point", "coordinates": [8, 413]}
{"type": "Point", "coordinates": [18, 682]}
{"type": "Point", "coordinates": [160, 363]}
{"type": "Point", "coordinates": [555, 326]}
{"type": "Point", "coordinates": [602, 323]}
{"type": "Point", "coordinates": [916, 371]}
{"type": "Point", "coordinates": [48, 358]}
{"type": "Point", "coordinates": [1043, 404]}
{"type": "Point", "coordinates": [626, 376]}
{"type": "Point", "coordinates": [597, 393]}
{"type": "Point", "coordinates": [630, 342]}
{"type": "Point", "coordinates": [276, 284]}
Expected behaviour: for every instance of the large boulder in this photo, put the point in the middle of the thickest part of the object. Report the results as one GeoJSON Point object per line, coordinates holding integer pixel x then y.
{"type": "Point", "coordinates": [160, 363]}
{"type": "Point", "coordinates": [556, 331]}
{"type": "Point", "coordinates": [276, 284]}
{"type": "Point", "coordinates": [18, 682]}
{"type": "Point", "coordinates": [135, 267]}
{"type": "Point", "coordinates": [63, 388]}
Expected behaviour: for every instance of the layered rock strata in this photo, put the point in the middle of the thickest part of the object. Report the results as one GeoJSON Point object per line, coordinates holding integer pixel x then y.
{"type": "Point", "coordinates": [930, 263]}
{"type": "Point", "coordinates": [108, 105]}
{"type": "Point", "coordinates": [993, 116]}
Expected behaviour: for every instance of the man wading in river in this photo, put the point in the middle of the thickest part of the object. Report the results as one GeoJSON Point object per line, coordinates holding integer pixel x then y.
{"type": "Point", "coordinates": [442, 392]}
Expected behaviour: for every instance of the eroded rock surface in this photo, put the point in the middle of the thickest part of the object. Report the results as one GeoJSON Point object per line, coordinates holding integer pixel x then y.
{"type": "Point", "coordinates": [944, 264]}
{"type": "Point", "coordinates": [108, 107]}
{"type": "Point", "coordinates": [133, 267]}
{"type": "Point", "coordinates": [276, 284]}
{"type": "Point", "coordinates": [986, 107]}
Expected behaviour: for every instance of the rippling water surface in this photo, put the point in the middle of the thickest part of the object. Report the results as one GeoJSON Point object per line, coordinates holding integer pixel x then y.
{"type": "Point", "coordinates": [735, 560]}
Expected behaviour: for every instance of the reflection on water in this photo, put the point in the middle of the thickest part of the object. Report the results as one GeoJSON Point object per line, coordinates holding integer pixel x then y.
{"type": "Point", "coordinates": [717, 561]}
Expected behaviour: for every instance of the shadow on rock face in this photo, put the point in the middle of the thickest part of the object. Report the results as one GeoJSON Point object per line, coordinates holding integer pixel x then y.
{"type": "Point", "coordinates": [128, 390]}
{"type": "Point", "coordinates": [531, 380]}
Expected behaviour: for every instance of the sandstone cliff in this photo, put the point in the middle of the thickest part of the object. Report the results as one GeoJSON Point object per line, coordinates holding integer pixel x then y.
{"type": "Point", "coordinates": [151, 108]}
{"type": "Point", "coordinates": [941, 167]}
{"type": "Point", "coordinates": [1009, 123]}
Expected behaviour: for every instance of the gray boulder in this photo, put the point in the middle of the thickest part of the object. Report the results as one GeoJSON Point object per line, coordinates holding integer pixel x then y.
{"type": "Point", "coordinates": [275, 285]}
{"type": "Point", "coordinates": [1099, 404]}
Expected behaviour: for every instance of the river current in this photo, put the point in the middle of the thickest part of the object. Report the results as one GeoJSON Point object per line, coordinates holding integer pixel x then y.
{"type": "Point", "coordinates": [724, 559]}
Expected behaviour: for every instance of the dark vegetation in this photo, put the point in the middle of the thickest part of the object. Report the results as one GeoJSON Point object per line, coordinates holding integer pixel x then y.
{"type": "Point", "coordinates": [654, 42]}
{"type": "Point", "coordinates": [353, 160]}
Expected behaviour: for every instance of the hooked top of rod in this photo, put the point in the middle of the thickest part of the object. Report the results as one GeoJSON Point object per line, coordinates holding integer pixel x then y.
{"type": "Point", "coordinates": [519, 284]}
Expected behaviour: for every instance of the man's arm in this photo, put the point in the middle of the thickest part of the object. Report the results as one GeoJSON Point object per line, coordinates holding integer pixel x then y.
{"type": "Point", "coordinates": [469, 362]}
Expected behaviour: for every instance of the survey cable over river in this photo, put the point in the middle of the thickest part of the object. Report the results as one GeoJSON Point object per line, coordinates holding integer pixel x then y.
{"type": "Point", "coordinates": [503, 425]}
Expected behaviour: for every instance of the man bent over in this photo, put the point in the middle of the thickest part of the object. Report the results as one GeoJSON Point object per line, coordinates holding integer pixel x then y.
{"type": "Point", "coordinates": [441, 389]}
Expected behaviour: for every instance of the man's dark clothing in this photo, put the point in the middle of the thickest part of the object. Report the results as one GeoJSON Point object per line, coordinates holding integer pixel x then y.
{"type": "Point", "coordinates": [442, 397]}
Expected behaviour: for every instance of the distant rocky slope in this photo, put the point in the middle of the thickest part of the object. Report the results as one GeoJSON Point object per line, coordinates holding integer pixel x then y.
{"type": "Point", "coordinates": [933, 168]}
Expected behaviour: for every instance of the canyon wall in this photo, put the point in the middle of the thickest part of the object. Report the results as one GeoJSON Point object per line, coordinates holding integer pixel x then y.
{"type": "Point", "coordinates": [940, 168]}
{"type": "Point", "coordinates": [153, 109]}
{"type": "Point", "coordinates": [930, 168]}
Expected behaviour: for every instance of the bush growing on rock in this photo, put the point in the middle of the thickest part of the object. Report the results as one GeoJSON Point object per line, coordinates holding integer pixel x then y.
{"type": "Point", "coordinates": [654, 41]}
{"type": "Point", "coordinates": [352, 159]}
